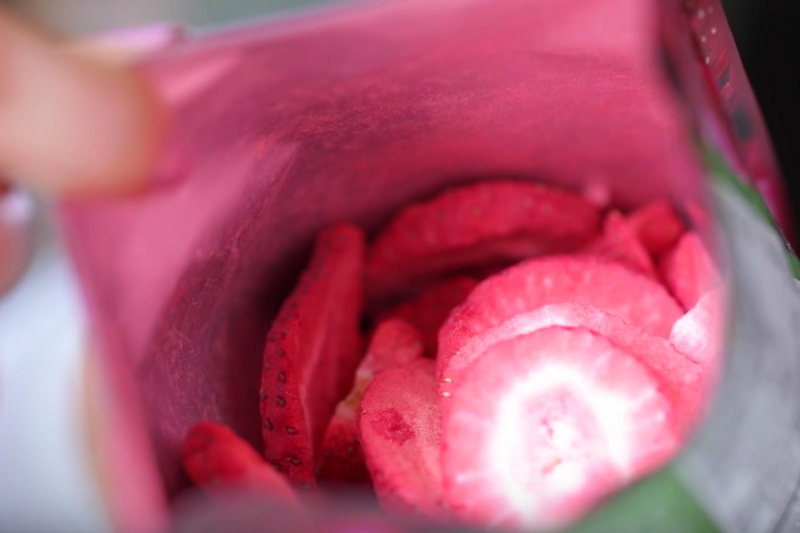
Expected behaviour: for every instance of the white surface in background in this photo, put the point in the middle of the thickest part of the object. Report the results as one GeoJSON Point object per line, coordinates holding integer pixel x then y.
{"type": "Point", "coordinates": [46, 477]}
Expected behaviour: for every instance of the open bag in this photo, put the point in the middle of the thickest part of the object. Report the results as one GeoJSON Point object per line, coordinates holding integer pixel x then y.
{"type": "Point", "coordinates": [282, 128]}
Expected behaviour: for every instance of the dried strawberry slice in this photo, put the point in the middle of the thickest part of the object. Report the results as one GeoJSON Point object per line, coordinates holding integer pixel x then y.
{"type": "Point", "coordinates": [429, 311]}
{"type": "Point", "coordinates": [635, 298]}
{"type": "Point", "coordinates": [215, 456]}
{"type": "Point", "coordinates": [688, 270]}
{"type": "Point", "coordinates": [698, 216]}
{"type": "Point", "coordinates": [394, 343]}
{"type": "Point", "coordinates": [657, 226]}
{"type": "Point", "coordinates": [619, 243]}
{"type": "Point", "coordinates": [400, 425]}
{"type": "Point", "coordinates": [681, 380]}
{"type": "Point", "coordinates": [477, 226]}
{"type": "Point", "coordinates": [545, 425]}
{"type": "Point", "coordinates": [311, 354]}
{"type": "Point", "coordinates": [699, 333]}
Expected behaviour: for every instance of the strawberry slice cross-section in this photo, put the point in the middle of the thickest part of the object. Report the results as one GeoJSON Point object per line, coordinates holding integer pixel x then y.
{"type": "Point", "coordinates": [619, 243]}
{"type": "Point", "coordinates": [543, 426]}
{"type": "Point", "coordinates": [657, 226]}
{"type": "Point", "coordinates": [429, 311]}
{"type": "Point", "coordinates": [700, 332]}
{"type": "Point", "coordinates": [400, 429]}
{"type": "Point", "coordinates": [311, 353]}
{"type": "Point", "coordinates": [477, 226]}
{"type": "Point", "coordinates": [394, 343]}
{"type": "Point", "coordinates": [610, 287]}
{"type": "Point", "coordinates": [214, 456]}
{"type": "Point", "coordinates": [680, 378]}
{"type": "Point", "coordinates": [689, 270]}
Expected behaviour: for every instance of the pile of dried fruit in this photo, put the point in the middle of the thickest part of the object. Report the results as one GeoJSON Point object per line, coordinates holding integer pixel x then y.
{"type": "Point", "coordinates": [530, 355]}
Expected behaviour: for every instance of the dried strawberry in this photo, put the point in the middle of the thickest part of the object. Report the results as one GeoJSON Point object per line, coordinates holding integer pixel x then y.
{"type": "Point", "coordinates": [680, 379]}
{"type": "Point", "coordinates": [635, 298]}
{"type": "Point", "coordinates": [215, 456]}
{"type": "Point", "coordinates": [399, 424]}
{"type": "Point", "coordinates": [545, 425]}
{"type": "Point", "coordinates": [429, 311]}
{"type": "Point", "coordinates": [394, 343]}
{"type": "Point", "coordinates": [619, 243]}
{"type": "Point", "coordinates": [698, 216]}
{"type": "Point", "coordinates": [699, 333]}
{"type": "Point", "coordinates": [311, 354]}
{"type": "Point", "coordinates": [688, 270]}
{"type": "Point", "coordinates": [657, 226]}
{"type": "Point", "coordinates": [477, 226]}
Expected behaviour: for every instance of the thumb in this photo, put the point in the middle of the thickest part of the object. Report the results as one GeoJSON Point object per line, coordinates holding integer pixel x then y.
{"type": "Point", "coordinates": [70, 125]}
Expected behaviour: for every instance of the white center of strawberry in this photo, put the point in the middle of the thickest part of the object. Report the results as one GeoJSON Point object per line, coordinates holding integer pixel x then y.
{"type": "Point", "coordinates": [580, 430]}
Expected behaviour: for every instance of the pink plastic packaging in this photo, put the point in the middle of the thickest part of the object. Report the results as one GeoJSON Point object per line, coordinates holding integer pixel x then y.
{"type": "Point", "coordinates": [285, 127]}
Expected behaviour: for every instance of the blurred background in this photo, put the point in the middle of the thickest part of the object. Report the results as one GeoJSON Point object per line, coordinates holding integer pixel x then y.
{"type": "Point", "coordinates": [83, 16]}
{"type": "Point", "coordinates": [766, 32]}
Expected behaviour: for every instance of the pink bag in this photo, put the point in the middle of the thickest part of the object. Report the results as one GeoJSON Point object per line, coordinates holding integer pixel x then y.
{"type": "Point", "coordinates": [287, 126]}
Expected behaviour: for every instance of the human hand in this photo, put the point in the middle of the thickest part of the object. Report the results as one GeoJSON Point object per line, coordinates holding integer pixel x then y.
{"type": "Point", "coordinates": [72, 121]}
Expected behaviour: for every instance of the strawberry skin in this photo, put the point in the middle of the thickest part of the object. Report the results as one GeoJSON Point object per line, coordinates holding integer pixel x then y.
{"type": "Point", "coordinates": [214, 456]}
{"type": "Point", "coordinates": [311, 353]}
{"type": "Point", "coordinates": [688, 270]}
{"type": "Point", "coordinates": [477, 226]}
{"type": "Point", "coordinates": [657, 226]}
{"type": "Point", "coordinates": [429, 311]}
{"type": "Point", "coordinates": [619, 243]}
{"type": "Point", "coordinates": [400, 429]}
{"type": "Point", "coordinates": [545, 425]}
{"type": "Point", "coordinates": [394, 343]}
{"type": "Point", "coordinates": [610, 287]}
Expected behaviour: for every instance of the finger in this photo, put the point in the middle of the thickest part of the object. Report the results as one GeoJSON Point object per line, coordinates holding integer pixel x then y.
{"type": "Point", "coordinates": [71, 125]}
